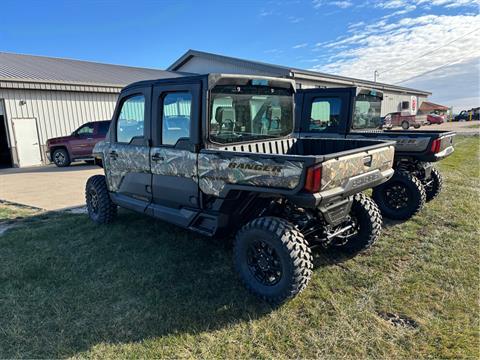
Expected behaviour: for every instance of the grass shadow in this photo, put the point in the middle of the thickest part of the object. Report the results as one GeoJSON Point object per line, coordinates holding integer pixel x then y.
{"type": "Point", "coordinates": [68, 285]}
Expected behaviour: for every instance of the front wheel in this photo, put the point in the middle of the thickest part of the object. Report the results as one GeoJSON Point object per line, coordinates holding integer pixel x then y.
{"type": "Point", "coordinates": [433, 186]}
{"type": "Point", "coordinates": [100, 207]}
{"type": "Point", "coordinates": [401, 197]}
{"type": "Point", "coordinates": [405, 125]}
{"type": "Point", "coordinates": [272, 258]}
{"type": "Point", "coordinates": [61, 158]}
{"type": "Point", "coordinates": [366, 222]}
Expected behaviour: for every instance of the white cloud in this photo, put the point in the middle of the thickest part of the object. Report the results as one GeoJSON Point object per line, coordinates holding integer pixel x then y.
{"type": "Point", "coordinates": [341, 4]}
{"type": "Point", "coordinates": [385, 47]}
{"type": "Point", "coordinates": [456, 85]}
{"type": "Point", "coordinates": [299, 46]}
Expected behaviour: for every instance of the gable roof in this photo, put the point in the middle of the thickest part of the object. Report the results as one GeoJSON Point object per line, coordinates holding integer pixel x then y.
{"type": "Point", "coordinates": [430, 106]}
{"type": "Point", "coordinates": [42, 69]}
{"type": "Point", "coordinates": [281, 70]}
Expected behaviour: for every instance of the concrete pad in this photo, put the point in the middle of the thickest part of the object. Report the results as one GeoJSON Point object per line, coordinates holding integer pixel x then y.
{"type": "Point", "coordinates": [47, 187]}
{"type": "Point", "coordinates": [460, 127]}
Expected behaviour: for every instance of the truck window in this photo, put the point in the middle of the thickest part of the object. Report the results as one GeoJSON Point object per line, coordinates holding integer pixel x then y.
{"type": "Point", "coordinates": [248, 113]}
{"type": "Point", "coordinates": [103, 128]}
{"type": "Point", "coordinates": [325, 114]}
{"type": "Point", "coordinates": [176, 117]}
{"type": "Point", "coordinates": [85, 130]}
{"type": "Point", "coordinates": [131, 119]}
{"type": "Point", "coordinates": [367, 112]}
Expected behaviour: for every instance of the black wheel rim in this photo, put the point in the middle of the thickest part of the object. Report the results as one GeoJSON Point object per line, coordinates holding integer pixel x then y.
{"type": "Point", "coordinates": [397, 196]}
{"type": "Point", "coordinates": [264, 263]}
{"type": "Point", "coordinates": [93, 200]}
{"type": "Point", "coordinates": [59, 158]}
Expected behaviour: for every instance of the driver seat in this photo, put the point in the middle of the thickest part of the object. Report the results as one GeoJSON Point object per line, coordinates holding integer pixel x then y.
{"type": "Point", "coordinates": [225, 117]}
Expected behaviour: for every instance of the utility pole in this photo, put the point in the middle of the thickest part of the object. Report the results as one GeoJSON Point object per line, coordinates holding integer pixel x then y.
{"type": "Point", "coordinates": [375, 74]}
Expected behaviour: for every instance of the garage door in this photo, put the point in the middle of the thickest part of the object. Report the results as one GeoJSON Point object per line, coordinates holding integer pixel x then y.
{"type": "Point", "coordinates": [26, 140]}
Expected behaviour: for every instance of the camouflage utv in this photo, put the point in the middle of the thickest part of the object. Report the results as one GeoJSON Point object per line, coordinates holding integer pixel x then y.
{"type": "Point", "coordinates": [214, 154]}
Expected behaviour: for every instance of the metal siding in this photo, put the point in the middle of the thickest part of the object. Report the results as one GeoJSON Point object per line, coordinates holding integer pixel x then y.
{"type": "Point", "coordinates": [204, 66]}
{"type": "Point", "coordinates": [58, 113]}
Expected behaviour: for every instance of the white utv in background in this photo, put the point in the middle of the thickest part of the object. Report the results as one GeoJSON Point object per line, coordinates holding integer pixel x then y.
{"type": "Point", "coordinates": [215, 154]}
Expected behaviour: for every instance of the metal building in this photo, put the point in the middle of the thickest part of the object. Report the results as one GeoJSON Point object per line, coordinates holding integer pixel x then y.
{"type": "Point", "coordinates": [200, 62]}
{"type": "Point", "coordinates": [42, 97]}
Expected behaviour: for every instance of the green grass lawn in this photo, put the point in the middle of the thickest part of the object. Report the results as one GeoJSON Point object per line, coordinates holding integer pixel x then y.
{"type": "Point", "coordinates": [144, 288]}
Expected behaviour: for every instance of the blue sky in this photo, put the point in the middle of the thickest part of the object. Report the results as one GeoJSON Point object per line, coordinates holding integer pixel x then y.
{"type": "Point", "coordinates": [351, 38]}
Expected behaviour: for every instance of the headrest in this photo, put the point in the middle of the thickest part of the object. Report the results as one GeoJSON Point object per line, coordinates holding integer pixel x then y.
{"type": "Point", "coordinates": [224, 113]}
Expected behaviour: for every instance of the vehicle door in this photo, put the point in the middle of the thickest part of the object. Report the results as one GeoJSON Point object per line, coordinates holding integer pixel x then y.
{"type": "Point", "coordinates": [324, 113]}
{"type": "Point", "coordinates": [175, 126]}
{"type": "Point", "coordinates": [82, 142]}
{"type": "Point", "coordinates": [127, 154]}
{"type": "Point", "coordinates": [101, 130]}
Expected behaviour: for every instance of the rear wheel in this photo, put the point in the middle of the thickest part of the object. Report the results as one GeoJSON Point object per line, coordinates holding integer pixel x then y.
{"type": "Point", "coordinates": [405, 125]}
{"type": "Point", "coordinates": [272, 258]}
{"type": "Point", "coordinates": [60, 158]}
{"type": "Point", "coordinates": [401, 197]}
{"type": "Point", "coordinates": [366, 223]}
{"type": "Point", "coordinates": [100, 207]}
{"type": "Point", "coordinates": [433, 186]}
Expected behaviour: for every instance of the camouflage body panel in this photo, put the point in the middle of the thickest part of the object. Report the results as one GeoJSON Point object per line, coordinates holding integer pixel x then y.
{"type": "Point", "coordinates": [337, 172]}
{"type": "Point", "coordinates": [215, 171]}
{"type": "Point", "coordinates": [174, 162]}
{"type": "Point", "coordinates": [130, 159]}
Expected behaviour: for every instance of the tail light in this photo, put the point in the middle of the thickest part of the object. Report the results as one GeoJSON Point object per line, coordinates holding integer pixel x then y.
{"type": "Point", "coordinates": [436, 146]}
{"type": "Point", "coordinates": [313, 181]}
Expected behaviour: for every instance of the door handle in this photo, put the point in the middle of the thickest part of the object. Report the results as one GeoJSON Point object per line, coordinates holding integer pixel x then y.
{"type": "Point", "coordinates": [157, 157]}
{"type": "Point", "coordinates": [113, 154]}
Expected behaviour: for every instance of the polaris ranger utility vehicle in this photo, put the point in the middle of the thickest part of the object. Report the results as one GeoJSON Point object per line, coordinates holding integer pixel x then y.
{"type": "Point", "coordinates": [354, 113]}
{"type": "Point", "coordinates": [214, 154]}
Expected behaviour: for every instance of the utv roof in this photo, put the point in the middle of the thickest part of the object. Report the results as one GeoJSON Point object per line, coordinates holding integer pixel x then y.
{"type": "Point", "coordinates": [212, 78]}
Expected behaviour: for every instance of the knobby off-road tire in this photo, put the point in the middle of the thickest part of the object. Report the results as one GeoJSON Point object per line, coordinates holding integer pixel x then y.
{"type": "Point", "coordinates": [61, 158]}
{"type": "Point", "coordinates": [273, 259]}
{"type": "Point", "coordinates": [435, 186]}
{"type": "Point", "coordinates": [368, 224]}
{"type": "Point", "coordinates": [100, 207]}
{"type": "Point", "coordinates": [401, 197]}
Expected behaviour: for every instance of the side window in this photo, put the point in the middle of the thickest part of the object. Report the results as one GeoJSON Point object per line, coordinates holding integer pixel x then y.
{"type": "Point", "coordinates": [86, 130]}
{"type": "Point", "coordinates": [131, 119]}
{"type": "Point", "coordinates": [325, 114]}
{"type": "Point", "coordinates": [103, 128]}
{"type": "Point", "coordinates": [176, 117]}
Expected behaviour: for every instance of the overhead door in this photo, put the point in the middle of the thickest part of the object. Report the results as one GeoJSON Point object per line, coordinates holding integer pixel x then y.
{"type": "Point", "coordinates": [26, 140]}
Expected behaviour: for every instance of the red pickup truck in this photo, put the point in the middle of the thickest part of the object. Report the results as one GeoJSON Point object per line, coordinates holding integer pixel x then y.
{"type": "Point", "coordinates": [77, 146]}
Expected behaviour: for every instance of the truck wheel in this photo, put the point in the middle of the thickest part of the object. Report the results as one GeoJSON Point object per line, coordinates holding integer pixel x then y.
{"type": "Point", "coordinates": [416, 126]}
{"type": "Point", "coordinates": [367, 224]}
{"type": "Point", "coordinates": [401, 197]}
{"type": "Point", "coordinates": [434, 185]}
{"type": "Point", "coordinates": [100, 207]}
{"type": "Point", "coordinates": [273, 259]}
{"type": "Point", "coordinates": [405, 125]}
{"type": "Point", "coordinates": [61, 158]}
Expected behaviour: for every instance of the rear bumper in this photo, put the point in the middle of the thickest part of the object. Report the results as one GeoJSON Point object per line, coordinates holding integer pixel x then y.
{"type": "Point", "coordinates": [353, 186]}
{"type": "Point", "coordinates": [444, 153]}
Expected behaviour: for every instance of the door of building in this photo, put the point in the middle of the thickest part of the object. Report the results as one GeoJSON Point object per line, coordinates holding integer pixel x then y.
{"type": "Point", "coordinates": [26, 141]}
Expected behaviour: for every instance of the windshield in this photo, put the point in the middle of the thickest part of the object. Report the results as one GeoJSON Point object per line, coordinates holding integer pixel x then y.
{"type": "Point", "coordinates": [248, 113]}
{"type": "Point", "coordinates": [367, 112]}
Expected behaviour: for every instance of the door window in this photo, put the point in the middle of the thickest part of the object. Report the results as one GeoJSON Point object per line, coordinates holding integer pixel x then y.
{"type": "Point", "coordinates": [325, 114]}
{"type": "Point", "coordinates": [176, 117]}
{"type": "Point", "coordinates": [103, 128]}
{"type": "Point", "coordinates": [131, 119]}
{"type": "Point", "coordinates": [85, 130]}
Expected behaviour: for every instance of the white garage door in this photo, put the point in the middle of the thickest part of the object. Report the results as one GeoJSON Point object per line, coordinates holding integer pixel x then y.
{"type": "Point", "coordinates": [26, 138]}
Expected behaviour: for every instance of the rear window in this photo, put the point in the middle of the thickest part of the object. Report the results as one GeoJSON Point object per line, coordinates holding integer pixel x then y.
{"type": "Point", "coordinates": [103, 128]}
